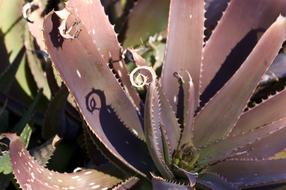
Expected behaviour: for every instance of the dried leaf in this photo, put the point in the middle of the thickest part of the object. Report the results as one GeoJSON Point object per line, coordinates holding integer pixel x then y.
{"type": "Point", "coordinates": [36, 19]}
{"type": "Point", "coordinates": [44, 152]}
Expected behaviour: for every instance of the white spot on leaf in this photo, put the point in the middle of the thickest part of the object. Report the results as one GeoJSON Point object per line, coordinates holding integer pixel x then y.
{"type": "Point", "coordinates": [78, 73]}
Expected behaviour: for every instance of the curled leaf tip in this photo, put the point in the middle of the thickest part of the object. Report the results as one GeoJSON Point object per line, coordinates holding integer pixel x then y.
{"type": "Point", "coordinates": [27, 9]}
{"type": "Point", "coordinates": [66, 32]}
{"type": "Point", "coordinates": [142, 76]}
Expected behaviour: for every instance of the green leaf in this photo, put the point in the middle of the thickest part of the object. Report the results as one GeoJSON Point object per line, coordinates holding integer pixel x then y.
{"type": "Point", "coordinates": [26, 135]}
{"type": "Point", "coordinates": [35, 65]}
{"type": "Point", "coordinates": [7, 77]}
{"type": "Point", "coordinates": [55, 114]}
{"type": "Point", "coordinates": [5, 163]}
{"type": "Point", "coordinates": [141, 25]}
{"type": "Point", "coordinates": [26, 118]}
{"type": "Point", "coordinates": [12, 25]}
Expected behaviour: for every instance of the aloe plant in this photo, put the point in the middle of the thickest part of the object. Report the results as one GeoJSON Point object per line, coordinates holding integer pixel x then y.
{"type": "Point", "coordinates": [192, 129]}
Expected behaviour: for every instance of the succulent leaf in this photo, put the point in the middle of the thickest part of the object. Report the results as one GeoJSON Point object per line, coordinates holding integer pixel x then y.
{"type": "Point", "coordinates": [276, 71]}
{"type": "Point", "coordinates": [169, 124]}
{"type": "Point", "coordinates": [191, 177]}
{"type": "Point", "coordinates": [266, 112]}
{"type": "Point", "coordinates": [268, 146]}
{"type": "Point", "coordinates": [127, 184]}
{"type": "Point", "coordinates": [214, 181]}
{"type": "Point", "coordinates": [133, 153]}
{"type": "Point", "coordinates": [227, 33]}
{"type": "Point", "coordinates": [195, 130]}
{"type": "Point", "coordinates": [5, 161]}
{"type": "Point", "coordinates": [251, 173]}
{"type": "Point", "coordinates": [152, 128]}
{"type": "Point", "coordinates": [159, 183]}
{"type": "Point", "coordinates": [214, 11]}
{"type": "Point", "coordinates": [238, 145]}
{"type": "Point", "coordinates": [94, 68]}
{"type": "Point", "coordinates": [96, 90]}
{"type": "Point", "coordinates": [236, 91]}
{"type": "Point", "coordinates": [189, 108]}
{"type": "Point", "coordinates": [184, 51]}
{"type": "Point", "coordinates": [31, 175]}
{"type": "Point", "coordinates": [135, 57]}
{"type": "Point", "coordinates": [92, 15]}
